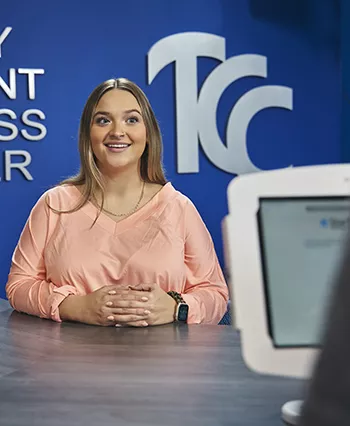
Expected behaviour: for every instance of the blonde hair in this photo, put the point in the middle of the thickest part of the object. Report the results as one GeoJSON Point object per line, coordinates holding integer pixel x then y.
{"type": "Point", "coordinates": [89, 175]}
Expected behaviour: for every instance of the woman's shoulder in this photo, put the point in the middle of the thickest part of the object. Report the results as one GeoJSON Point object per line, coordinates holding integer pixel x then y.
{"type": "Point", "coordinates": [61, 197]}
{"type": "Point", "coordinates": [175, 196]}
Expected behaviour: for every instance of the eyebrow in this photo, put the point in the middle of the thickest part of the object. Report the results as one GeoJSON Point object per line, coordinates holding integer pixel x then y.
{"type": "Point", "coordinates": [128, 111]}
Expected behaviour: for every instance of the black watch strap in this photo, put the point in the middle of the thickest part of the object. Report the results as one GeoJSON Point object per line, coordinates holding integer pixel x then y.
{"type": "Point", "coordinates": [176, 296]}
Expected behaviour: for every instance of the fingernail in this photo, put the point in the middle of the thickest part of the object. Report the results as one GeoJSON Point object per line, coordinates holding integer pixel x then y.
{"type": "Point", "coordinates": [112, 292]}
{"type": "Point", "coordinates": [147, 312]}
{"type": "Point", "coordinates": [111, 318]}
{"type": "Point", "coordinates": [145, 324]}
{"type": "Point", "coordinates": [118, 325]}
{"type": "Point", "coordinates": [109, 303]}
{"type": "Point", "coordinates": [144, 299]}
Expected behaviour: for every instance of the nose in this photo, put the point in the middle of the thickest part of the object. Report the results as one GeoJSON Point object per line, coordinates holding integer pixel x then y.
{"type": "Point", "coordinates": [117, 131]}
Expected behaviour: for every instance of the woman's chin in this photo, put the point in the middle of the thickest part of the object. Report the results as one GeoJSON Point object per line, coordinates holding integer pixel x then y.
{"type": "Point", "coordinates": [117, 166]}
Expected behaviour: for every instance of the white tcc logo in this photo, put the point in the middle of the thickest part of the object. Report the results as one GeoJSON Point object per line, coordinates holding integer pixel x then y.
{"type": "Point", "coordinates": [196, 113]}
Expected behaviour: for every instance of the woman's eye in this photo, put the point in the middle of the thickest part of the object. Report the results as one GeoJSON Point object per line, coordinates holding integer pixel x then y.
{"type": "Point", "coordinates": [101, 120]}
{"type": "Point", "coordinates": [132, 120]}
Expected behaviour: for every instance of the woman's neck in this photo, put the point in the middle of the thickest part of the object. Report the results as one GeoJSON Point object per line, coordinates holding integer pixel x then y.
{"type": "Point", "coordinates": [122, 184]}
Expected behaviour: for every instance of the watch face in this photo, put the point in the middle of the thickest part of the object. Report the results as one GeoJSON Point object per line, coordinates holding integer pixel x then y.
{"type": "Point", "coordinates": [182, 313]}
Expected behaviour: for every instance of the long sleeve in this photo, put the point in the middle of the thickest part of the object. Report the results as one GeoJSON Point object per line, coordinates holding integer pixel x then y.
{"type": "Point", "coordinates": [27, 288]}
{"type": "Point", "coordinates": [206, 292]}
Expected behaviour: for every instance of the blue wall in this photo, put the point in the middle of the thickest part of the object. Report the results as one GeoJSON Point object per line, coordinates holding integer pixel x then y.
{"type": "Point", "coordinates": [80, 44]}
{"type": "Point", "coordinates": [345, 64]}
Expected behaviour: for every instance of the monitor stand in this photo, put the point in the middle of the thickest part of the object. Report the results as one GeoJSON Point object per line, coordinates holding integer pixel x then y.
{"type": "Point", "coordinates": [291, 412]}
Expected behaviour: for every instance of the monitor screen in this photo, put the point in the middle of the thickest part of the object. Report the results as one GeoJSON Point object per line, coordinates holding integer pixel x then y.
{"type": "Point", "coordinates": [301, 241]}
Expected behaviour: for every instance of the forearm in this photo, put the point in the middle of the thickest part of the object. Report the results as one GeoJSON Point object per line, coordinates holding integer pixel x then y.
{"type": "Point", "coordinates": [71, 309]}
{"type": "Point", "coordinates": [206, 305]}
{"type": "Point", "coordinates": [36, 297]}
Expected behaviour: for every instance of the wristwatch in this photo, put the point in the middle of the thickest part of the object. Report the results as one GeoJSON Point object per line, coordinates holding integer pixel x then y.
{"type": "Point", "coordinates": [181, 312]}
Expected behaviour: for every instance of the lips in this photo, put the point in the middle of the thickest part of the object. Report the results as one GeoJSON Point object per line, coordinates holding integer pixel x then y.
{"type": "Point", "coordinates": [117, 147]}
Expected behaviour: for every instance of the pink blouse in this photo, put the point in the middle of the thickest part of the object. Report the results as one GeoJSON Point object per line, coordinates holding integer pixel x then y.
{"type": "Point", "coordinates": [164, 242]}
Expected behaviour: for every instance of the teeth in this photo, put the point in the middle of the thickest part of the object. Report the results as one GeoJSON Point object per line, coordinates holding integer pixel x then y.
{"type": "Point", "coordinates": [117, 145]}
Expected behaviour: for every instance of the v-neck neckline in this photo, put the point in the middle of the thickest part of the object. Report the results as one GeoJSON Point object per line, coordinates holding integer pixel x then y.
{"type": "Point", "coordinates": [140, 215]}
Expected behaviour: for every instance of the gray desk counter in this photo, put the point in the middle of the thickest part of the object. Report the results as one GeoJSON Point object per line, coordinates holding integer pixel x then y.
{"type": "Point", "coordinates": [73, 374]}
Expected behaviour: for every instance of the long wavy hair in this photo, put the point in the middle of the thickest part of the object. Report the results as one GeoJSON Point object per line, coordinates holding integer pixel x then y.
{"type": "Point", "coordinates": [89, 175]}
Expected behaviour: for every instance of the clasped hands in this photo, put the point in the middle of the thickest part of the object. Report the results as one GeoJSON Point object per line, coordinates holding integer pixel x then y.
{"type": "Point", "coordinates": [139, 306]}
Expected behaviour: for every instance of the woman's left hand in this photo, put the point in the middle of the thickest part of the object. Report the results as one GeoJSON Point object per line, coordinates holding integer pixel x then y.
{"type": "Point", "coordinates": [160, 304]}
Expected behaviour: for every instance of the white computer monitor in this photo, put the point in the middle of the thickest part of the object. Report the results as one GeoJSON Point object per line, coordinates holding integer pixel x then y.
{"type": "Point", "coordinates": [283, 240]}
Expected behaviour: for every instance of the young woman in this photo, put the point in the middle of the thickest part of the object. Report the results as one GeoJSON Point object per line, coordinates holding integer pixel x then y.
{"type": "Point", "coordinates": [117, 244]}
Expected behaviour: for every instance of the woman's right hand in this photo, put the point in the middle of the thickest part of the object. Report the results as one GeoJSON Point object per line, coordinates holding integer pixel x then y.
{"type": "Point", "coordinates": [109, 305]}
